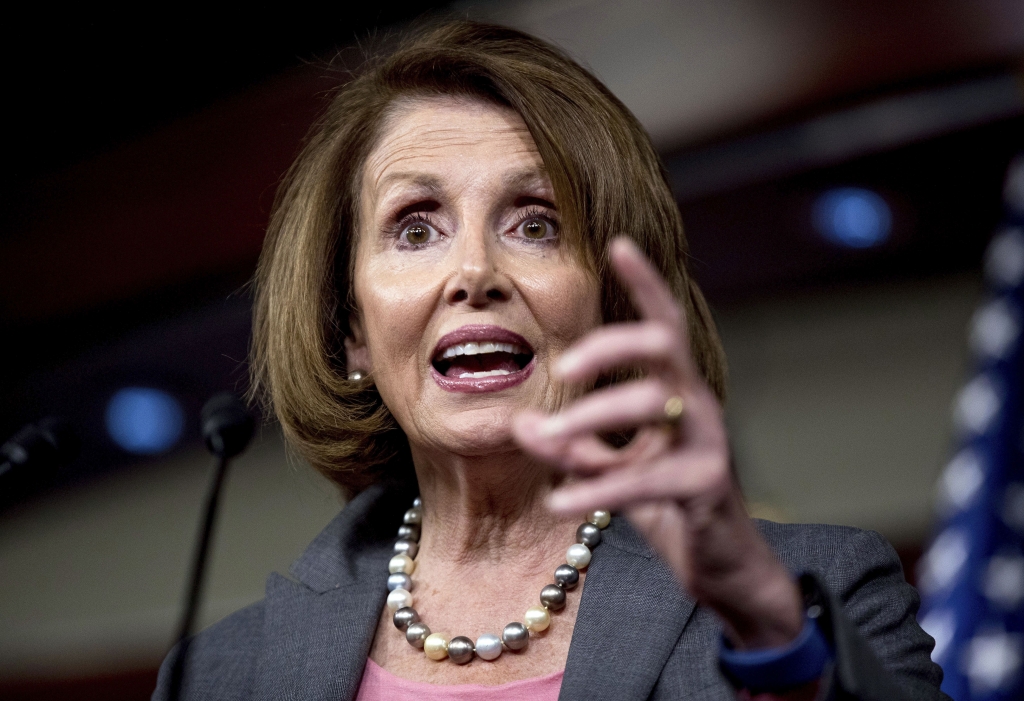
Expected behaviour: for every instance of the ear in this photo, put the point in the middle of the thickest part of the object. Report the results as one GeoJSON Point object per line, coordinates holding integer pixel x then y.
{"type": "Point", "coordinates": [357, 354]}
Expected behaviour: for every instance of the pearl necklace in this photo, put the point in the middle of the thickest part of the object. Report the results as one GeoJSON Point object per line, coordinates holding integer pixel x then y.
{"type": "Point", "coordinates": [488, 646]}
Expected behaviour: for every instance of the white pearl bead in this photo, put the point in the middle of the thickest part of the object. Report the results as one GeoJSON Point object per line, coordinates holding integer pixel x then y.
{"type": "Point", "coordinates": [600, 518]}
{"type": "Point", "coordinates": [401, 563]}
{"type": "Point", "coordinates": [436, 646]}
{"type": "Point", "coordinates": [578, 555]}
{"type": "Point", "coordinates": [488, 647]}
{"type": "Point", "coordinates": [537, 618]}
{"type": "Point", "coordinates": [399, 598]}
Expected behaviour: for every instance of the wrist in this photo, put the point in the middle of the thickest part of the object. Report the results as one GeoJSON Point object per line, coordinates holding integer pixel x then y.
{"type": "Point", "coordinates": [766, 613]}
{"type": "Point", "coordinates": [802, 661]}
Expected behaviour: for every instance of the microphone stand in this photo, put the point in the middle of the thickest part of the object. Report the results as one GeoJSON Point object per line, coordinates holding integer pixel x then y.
{"type": "Point", "coordinates": [227, 428]}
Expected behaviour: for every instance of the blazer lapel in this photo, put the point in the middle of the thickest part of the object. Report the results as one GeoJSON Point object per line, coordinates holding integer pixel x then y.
{"type": "Point", "coordinates": [319, 629]}
{"type": "Point", "coordinates": [631, 616]}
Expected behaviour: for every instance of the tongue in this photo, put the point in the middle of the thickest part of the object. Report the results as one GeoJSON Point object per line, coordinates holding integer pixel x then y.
{"type": "Point", "coordinates": [481, 363]}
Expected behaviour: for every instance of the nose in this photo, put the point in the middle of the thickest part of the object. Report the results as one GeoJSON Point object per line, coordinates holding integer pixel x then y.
{"type": "Point", "coordinates": [476, 280]}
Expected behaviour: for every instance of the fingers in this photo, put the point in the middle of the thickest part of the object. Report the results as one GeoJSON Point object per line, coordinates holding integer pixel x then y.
{"type": "Point", "coordinates": [649, 292]}
{"type": "Point", "coordinates": [586, 453]}
{"type": "Point", "coordinates": [618, 345]}
{"type": "Point", "coordinates": [651, 295]}
{"type": "Point", "coordinates": [624, 406]}
{"type": "Point", "coordinates": [661, 479]}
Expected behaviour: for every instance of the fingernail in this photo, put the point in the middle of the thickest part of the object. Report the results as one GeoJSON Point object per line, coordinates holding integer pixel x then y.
{"type": "Point", "coordinates": [552, 427]}
{"type": "Point", "coordinates": [557, 501]}
{"type": "Point", "coordinates": [567, 363]}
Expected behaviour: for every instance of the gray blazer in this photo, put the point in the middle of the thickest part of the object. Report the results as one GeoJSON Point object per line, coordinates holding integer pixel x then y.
{"type": "Point", "coordinates": [638, 635]}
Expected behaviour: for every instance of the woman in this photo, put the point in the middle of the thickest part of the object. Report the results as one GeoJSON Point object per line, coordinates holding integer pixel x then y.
{"type": "Point", "coordinates": [473, 311]}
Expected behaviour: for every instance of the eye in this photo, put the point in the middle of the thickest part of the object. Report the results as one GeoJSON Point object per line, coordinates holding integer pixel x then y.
{"type": "Point", "coordinates": [418, 233]}
{"type": "Point", "coordinates": [537, 229]}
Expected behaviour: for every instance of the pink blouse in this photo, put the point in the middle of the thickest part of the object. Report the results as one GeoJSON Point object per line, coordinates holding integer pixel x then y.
{"type": "Point", "coordinates": [380, 685]}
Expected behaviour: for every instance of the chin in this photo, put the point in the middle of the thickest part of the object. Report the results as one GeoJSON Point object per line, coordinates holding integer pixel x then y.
{"type": "Point", "coordinates": [476, 432]}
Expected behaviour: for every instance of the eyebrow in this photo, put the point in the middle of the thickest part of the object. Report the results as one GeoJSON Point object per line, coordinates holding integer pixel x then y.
{"type": "Point", "coordinates": [427, 182]}
{"type": "Point", "coordinates": [525, 178]}
{"type": "Point", "coordinates": [432, 186]}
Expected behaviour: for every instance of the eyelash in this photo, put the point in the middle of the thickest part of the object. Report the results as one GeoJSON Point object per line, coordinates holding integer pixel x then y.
{"type": "Point", "coordinates": [405, 222]}
{"type": "Point", "coordinates": [533, 212]}
{"type": "Point", "coordinates": [537, 213]}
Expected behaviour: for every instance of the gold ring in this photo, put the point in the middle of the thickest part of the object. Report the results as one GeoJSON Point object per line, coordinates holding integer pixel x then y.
{"type": "Point", "coordinates": [674, 408]}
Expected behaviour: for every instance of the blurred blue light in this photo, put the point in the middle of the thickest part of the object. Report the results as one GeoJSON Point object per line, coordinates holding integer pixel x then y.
{"type": "Point", "coordinates": [853, 217]}
{"type": "Point", "coordinates": [144, 420]}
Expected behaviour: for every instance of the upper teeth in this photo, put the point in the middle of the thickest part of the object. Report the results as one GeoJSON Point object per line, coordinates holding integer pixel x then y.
{"type": "Point", "coordinates": [480, 349]}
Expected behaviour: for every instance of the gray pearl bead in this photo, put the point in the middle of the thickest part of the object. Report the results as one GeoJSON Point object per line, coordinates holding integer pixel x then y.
{"type": "Point", "coordinates": [552, 597]}
{"type": "Point", "coordinates": [409, 532]}
{"type": "Point", "coordinates": [460, 649]}
{"type": "Point", "coordinates": [588, 534]}
{"type": "Point", "coordinates": [413, 516]}
{"type": "Point", "coordinates": [410, 547]}
{"type": "Point", "coordinates": [405, 617]}
{"type": "Point", "coordinates": [417, 502]}
{"type": "Point", "coordinates": [399, 580]}
{"type": "Point", "coordinates": [567, 577]}
{"type": "Point", "coordinates": [416, 633]}
{"type": "Point", "coordinates": [515, 636]}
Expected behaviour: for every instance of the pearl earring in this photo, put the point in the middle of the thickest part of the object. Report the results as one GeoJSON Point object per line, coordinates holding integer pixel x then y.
{"type": "Point", "coordinates": [355, 376]}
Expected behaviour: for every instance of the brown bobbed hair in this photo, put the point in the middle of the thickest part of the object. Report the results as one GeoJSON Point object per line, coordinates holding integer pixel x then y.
{"type": "Point", "coordinates": [608, 182]}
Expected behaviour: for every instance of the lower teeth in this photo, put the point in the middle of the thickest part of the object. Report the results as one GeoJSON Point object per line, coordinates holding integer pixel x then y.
{"type": "Point", "coordinates": [486, 373]}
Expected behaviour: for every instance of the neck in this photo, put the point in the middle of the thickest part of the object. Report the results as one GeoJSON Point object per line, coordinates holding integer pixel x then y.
{"type": "Point", "coordinates": [489, 510]}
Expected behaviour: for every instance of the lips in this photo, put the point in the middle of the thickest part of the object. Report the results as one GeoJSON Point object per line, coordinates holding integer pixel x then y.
{"type": "Point", "coordinates": [481, 358]}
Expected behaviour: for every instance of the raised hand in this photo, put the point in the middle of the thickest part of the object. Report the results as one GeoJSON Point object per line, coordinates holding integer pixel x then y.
{"type": "Point", "coordinates": [673, 480]}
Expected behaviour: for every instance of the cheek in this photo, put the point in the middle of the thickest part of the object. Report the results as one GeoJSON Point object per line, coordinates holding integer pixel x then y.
{"type": "Point", "coordinates": [396, 309]}
{"type": "Point", "coordinates": [566, 304]}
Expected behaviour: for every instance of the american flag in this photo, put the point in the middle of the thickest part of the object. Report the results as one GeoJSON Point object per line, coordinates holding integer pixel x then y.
{"type": "Point", "coordinates": [972, 575]}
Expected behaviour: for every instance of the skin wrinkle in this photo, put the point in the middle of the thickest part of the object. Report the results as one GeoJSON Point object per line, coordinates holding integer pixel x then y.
{"type": "Point", "coordinates": [485, 518]}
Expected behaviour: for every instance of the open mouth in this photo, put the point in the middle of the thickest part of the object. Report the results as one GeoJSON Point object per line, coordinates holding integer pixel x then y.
{"type": "Point", "coordinates": [481, 355]}
{"type": "Point", "coordinates": [487, 359]}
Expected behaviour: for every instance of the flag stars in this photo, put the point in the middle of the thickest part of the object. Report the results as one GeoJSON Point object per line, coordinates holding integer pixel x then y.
{"type": "Point", "coordinates": [1013, 506]}
{"type": "Point", "coordinates": [941, 625]}
{"type": "Point", "coordinates": [1003, 583]}
{"type": "Point", "coordinates": [977, 406]}
{"type": "Point", "coordinates": [1004, 259]}
{"type": "Point", "coordinates": [941, 565]}
{"type": "Point", "coordinates": [960, 483]}
{"type": "Point", "coordinates": [995, 329]}
{"type": "Point", "coordinates": [992, 660]}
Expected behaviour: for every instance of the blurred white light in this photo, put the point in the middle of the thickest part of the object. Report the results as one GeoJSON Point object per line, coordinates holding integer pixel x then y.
{"type": "Point", "coordinates": [992, 660]}
{"type": "Point", "coordinates": [144, 420]}
{"type": "Point", "coordinates": [853, 217]}
{"type": "Point", "coordinates": [1013, 506]}
{"type": "Point", "coordinates": [941, 625]}
{"type": "Point", "coordinates": [941, 564]}
{"type": "Point", "coordinates": [960, 482]}
{"type": "Point", "coordinates": [995, 329]}
{"type": "Point", "coordinates": [1004, 259]}
{"type": "Point", "coordinates": [977, 406]}
{"type": "Point", "coordinates": [1003, 583]}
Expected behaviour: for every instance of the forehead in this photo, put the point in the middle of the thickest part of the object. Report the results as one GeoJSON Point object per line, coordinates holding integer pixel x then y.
{"type": "Point", "coordinates": [449, 138]}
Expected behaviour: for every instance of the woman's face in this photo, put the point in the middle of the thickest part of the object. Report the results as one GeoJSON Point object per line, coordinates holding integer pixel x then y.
{"type": "Point", "coordinates": [466, 292]}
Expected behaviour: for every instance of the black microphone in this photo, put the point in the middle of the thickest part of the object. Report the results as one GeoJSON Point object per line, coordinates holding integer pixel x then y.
{"type": "Point", "coordinates": [227, 428]}
{"type": "Point", "coordinates": [34, 453]}
{"type": "Point", "coordinates": [227, 425]}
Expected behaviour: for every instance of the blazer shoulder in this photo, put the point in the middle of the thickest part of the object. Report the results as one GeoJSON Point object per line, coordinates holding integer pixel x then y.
{"type": "Point", "coordinates": [873, 602]}
{"type": "Point", "coordinates": [835, 553]}
{"type": "Point", "coordinates": [221, 658]}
